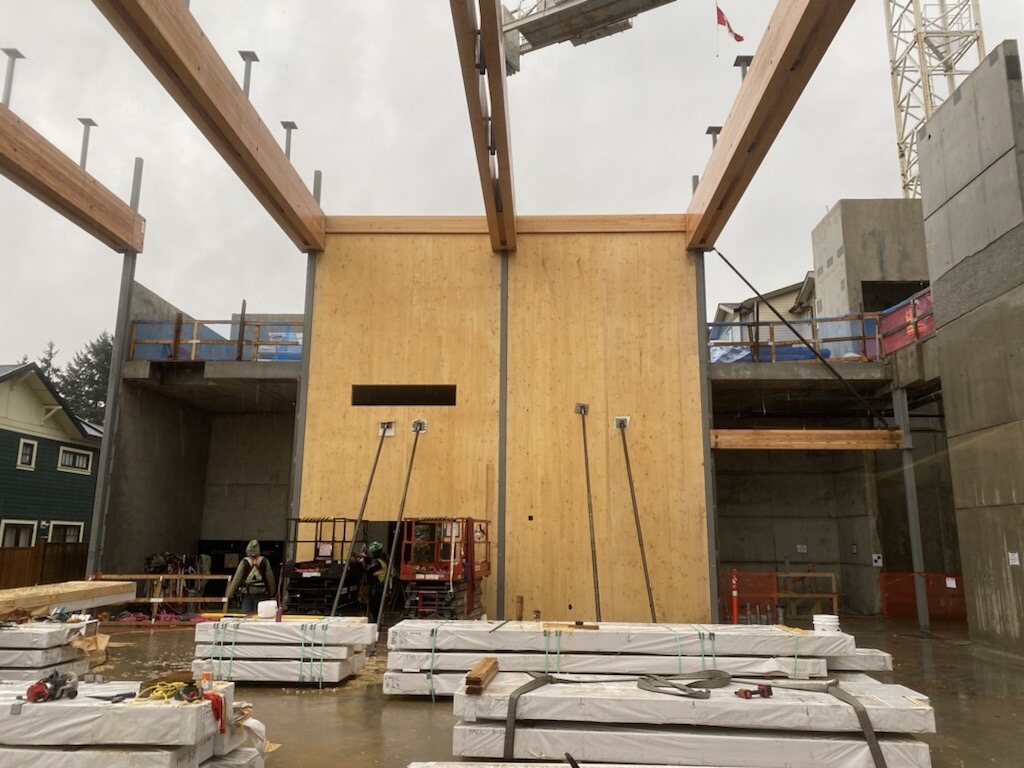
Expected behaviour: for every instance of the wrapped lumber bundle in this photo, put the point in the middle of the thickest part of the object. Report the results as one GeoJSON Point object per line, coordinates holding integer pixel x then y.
{"type": "Point", "coordinates": [97, 725]}
{"type": "Point", "coordinates": [34, 650]}
{"type": "Point", "coordinates": [431, 657]}
{"type": "Point", "coordinates": [299, 650]}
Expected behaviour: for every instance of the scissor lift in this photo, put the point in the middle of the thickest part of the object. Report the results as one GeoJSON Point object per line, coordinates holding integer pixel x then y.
{"type": "Point", "coordinates": [442, 564]}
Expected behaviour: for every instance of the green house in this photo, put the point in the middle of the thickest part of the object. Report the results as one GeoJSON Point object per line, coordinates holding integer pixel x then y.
{"type": "Point", "coordinates": [49, 460]}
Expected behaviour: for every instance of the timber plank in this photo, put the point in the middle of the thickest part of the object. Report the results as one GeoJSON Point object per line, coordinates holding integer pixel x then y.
{"type": "Point", "coordinates": [46, 173]}
{"type": "Point", "coordinates": [47, 595]}
{"type": "Point", "coordinates": [807, 439]}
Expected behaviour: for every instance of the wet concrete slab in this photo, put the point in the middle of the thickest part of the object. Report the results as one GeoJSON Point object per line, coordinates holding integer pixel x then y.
{"type": "Point", "coordinates": [975, 692]}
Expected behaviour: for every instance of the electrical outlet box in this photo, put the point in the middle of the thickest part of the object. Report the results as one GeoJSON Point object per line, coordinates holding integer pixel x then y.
{"type": "Point", "coordinates": [876, 560]}
{"type": "Point", "coordinates": [621, 422]}
{"type": "Point", "coordinates": [386, 429]}
{"type": "Point", "coordinates": [420, 425]}
{"type": "Point", "coordinates": [582, 409]}
{"type": "Point", "coordinates": [853, 549]}
{"type": "Point", "coordinates": [801, 549]}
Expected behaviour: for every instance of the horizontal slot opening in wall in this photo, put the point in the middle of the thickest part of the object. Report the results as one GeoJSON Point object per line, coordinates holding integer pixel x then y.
{"type": "Point", "coordinates": [403, 394]}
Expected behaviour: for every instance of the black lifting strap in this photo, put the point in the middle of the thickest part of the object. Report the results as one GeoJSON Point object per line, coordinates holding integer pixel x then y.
{"type": "Point", "coordinates": [538, 681]}
{"type": "Point", "coordinates": [865, 723]}
{"type": "Point", "coordinates": [695, 687]}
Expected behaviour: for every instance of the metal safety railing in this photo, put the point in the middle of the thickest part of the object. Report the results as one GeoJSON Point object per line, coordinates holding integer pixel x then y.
{"type": "Point", "coordinates": [908, 323]}
{"type": "Point", "coordinates": [849, 337]}
{"type": "Point", "coordinates": [187, 340]}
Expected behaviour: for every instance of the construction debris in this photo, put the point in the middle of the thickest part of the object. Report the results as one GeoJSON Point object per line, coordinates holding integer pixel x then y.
{"type": "Point", "coordinates": [327, 650]}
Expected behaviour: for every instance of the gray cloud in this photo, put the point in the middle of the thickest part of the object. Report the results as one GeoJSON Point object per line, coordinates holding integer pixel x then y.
{"type": "Point", "coordinates": [616, 126]}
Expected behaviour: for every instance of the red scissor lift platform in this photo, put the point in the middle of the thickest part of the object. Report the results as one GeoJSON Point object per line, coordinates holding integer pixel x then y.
{"type": "Point", "coordinates": [443, 562]}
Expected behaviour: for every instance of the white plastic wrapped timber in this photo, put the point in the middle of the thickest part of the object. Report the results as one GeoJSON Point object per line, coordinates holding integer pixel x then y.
{"type": "Point", "coordinates": [864, 660]}
{"type": "Point", "coordinates": [31, 674]}
{"type": "Point", "coordinates": [685, 746]}
{"type": "Point", "coordinates": [422, 683]}
{"type": "Point", "coordinates": [44, 634]}
{"type": "Point", "coordinates": [283, 670]}
{"type": "Point", "coordinates": [327, 631]}
{"type": "Point", "coordinates": [892, 708]}
{"type": "Point", "coordinates": [109, 757]}
{"type": "Point", "coordinates": [39, 657]}
{"type": "Point", "coordinates": [284, 652]}
{"type": "Point", "coordinates": [597, 664]}
{"type": "Point", "coordinates": [632, 639]}
{"type": "Point", "coordinates": [89, 721]}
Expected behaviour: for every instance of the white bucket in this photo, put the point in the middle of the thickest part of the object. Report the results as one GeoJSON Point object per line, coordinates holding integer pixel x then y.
{"type": "Point", "coordinates": [266, 609]}
{"type": "Point", "coordinates": [826, 623]}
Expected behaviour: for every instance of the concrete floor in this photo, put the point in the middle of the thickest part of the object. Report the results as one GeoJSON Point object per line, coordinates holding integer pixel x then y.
{"type": "Point", "coordinates": [976, 695]}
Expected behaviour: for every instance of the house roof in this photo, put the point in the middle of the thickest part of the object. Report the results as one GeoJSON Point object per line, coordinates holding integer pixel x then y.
{"type": "Point", "coordinates": [45, 390]}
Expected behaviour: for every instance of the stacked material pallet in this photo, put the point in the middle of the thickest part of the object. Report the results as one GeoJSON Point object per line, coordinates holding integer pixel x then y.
{"type": "Point", "coordinates": [431, 657]}
{"type": "Point", "coordinates": [804, 724]}
{"type": "Point", "coordinates": [319, 651]}
{"type": "Point", "coordinates": [98, 730]}
{"type": "Point", "coordinates": [33, 651]}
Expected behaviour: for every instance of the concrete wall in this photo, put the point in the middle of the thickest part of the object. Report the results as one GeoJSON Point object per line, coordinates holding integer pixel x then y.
{"type": "Point", "coordinates": [972, 166]}
{"type": "Point", "coordinates": [158, 479]}
{"type": "Point", "coordinates": [866, 240]}
{"type": "Point", "coordinates": [770, 503]}
{"type": "Point", "coordinates": [247, 476]}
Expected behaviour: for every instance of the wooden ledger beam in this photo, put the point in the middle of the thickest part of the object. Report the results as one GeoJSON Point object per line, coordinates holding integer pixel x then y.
{"type": "Point", "coordinates": [799, 33]}
{"type": "Point", "coordinates": [42, 170]}
{"type": "Point", "coordinates": [481, 46]}
{"type": "Point", "coordinates": [807, 439]}
{"type": "Point", "coordinates": [170, 42]}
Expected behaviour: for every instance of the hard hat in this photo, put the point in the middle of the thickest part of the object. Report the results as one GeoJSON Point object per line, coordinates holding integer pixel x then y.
{"type": "Point", "coordinates": [376, 548]}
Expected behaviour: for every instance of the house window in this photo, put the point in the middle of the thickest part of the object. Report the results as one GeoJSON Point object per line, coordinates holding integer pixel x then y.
{"type": "Point", "coordinates": [74, 461]}
{"type": "Point", "coordinates": [829, 263]}
{"type": "Point", "coordinates": [64, 532]}
{"type": "Point", "coordinates": [27, 454]}
{"type": "Point", "coordinates": [17, 533]}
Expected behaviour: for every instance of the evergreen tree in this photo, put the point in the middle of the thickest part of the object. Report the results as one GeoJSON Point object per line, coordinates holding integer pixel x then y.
{"type": "Point", "coordinates": [22, 360]}
{"type": "Point", "coordinates": [46, 362]}
{"type": "Point", "coordinates": [83, 382]}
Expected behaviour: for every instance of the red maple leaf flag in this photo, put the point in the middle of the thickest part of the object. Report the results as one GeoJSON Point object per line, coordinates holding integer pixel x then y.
{"type": "Point", "coordinates": [724, 22]}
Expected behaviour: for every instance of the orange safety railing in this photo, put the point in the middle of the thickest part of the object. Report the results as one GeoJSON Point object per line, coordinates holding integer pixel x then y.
{"type": "Point", "coordinates": [908, 322]}
{"type": "Point", "coordinates": [853, 337]}
{"type": "Point", "coordinates": [189, 340]}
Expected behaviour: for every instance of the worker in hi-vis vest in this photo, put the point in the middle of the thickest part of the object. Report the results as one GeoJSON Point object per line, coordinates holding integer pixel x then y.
{"type": "Point", "coordinates": [375, 566]}
{"type": "Point", "coordinates": [253, 579]}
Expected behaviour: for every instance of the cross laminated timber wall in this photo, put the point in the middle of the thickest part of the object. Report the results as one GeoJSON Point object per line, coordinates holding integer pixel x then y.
{"type": "Point", "coordinates": [606, 316]}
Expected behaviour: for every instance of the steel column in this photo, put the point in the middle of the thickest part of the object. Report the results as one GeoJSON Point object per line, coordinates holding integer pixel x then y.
{"type": "Point", "coordinates": [901, 412]}
{"type": "Point", "coordinates": [111, 414]}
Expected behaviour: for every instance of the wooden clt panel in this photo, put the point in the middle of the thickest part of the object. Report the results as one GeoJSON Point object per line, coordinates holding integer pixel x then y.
{"type": "Point", "coordinates": [42, 170]}
{"type": "Point", "coordinates": [480, 40]}
{"type": "Point", "coordinates": [799, 33]}
{"type": "Point", "coordinates": [171, 44]}
{"type": "Point", "coordinates": [807, 439]}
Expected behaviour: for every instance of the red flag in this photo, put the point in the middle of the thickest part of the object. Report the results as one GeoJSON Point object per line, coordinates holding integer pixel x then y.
{"type": "Point", "coordinates": [724, 22]}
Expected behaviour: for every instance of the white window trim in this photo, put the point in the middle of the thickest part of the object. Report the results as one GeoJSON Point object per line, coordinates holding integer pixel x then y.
{"type": "Point", "coordinates": [70, 524]}
{"type": "Point", "coordinates": [35, 453]}
{"type": "Point", "coordinates": [14, 521]}
{"type": "Point", "coordinates": [64, 449]}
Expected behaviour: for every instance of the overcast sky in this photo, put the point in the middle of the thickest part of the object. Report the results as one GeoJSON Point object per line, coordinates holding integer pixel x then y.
{"type": "Point", "coordinates": [616, 126]}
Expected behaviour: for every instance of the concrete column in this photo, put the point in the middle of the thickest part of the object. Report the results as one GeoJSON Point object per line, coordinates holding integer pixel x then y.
{"type": "Point", "coordinates": [902, 415]}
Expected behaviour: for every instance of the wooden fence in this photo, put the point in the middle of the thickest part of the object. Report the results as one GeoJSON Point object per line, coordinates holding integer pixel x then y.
{"type": "Point", "coordinates": [44, 563]}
